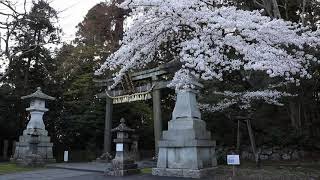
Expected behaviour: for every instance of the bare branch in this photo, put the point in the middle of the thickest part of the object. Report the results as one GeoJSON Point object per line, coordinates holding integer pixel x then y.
{"type": "Point", "coordinates": [9, 21]}
{"type": "Point", "coordinates": [259, 3]}
{"type": "Point", "coordinates": [10, 6]}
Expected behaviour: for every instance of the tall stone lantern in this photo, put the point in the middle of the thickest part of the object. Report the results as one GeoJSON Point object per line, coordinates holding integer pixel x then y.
{"type": "Point", "coordinates": [26, 145]}
{"type": "Point", "coordinates": [123, 164]}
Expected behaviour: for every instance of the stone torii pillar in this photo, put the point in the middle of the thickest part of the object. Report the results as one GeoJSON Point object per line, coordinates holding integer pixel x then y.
{"type": "Point", "coordinates": [157, 114]}
{"type": "Point", "coordinates": [108, 125]}
{"type": "Point", "coordinates": [106, 155]}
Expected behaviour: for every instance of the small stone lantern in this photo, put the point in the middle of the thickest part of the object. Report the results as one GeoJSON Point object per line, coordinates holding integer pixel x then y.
{"type": "Point", "coordinates": [122, 164]}
{"type": "Point", "coordinates": [35, 141]}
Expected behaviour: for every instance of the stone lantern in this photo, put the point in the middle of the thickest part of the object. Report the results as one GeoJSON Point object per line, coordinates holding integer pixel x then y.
{"type": "Point", "coordinates": [35, 141]}
{"type": "Point", "coordinates": [122, 164]}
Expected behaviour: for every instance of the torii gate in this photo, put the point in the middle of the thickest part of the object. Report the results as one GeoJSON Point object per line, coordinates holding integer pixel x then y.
{"type": "Point", "coordinates": [157, 80]}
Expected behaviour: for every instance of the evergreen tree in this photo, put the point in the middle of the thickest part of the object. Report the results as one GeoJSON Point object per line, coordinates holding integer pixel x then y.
{"type": "Point", "coordinates": [33, 64]}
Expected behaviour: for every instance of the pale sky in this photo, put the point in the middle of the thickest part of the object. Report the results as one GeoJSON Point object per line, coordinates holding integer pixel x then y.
{"type": "Point", "coordinates": [71, 13]}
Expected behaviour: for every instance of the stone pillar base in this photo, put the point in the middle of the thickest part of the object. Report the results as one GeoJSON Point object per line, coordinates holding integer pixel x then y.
{"type": "Point", "coordinates": [32, 160]}
{"type": "Point", "coordinates": [123, 172]}
{"type": "Point", "coordinates": [185, 173]}
{"type": "Point", "coordinates": [104, 158]}
{"type": "Point", "coordinates": [119, 168]}
{"type": "Point", "coordinates": [186, 152]}
{"type": "Point", "coordinates": [23, 150]}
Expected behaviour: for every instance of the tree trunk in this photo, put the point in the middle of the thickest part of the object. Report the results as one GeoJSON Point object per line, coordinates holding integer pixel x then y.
{"type": "Point", "coordinates": [238, 137]}
{"type": "Point", "coordinates": [276, 11]}
{"type": "Point", "coordinates": [26, 75]}
{"type": "Point", "coordinates": [286, 9]}
{"type": "Point", "coordinates": [253, 143]}
{"type": "Point", "coordinates": [295, 114]}
{"type": "Point", "coordinates": [37, 48]}
{"type": "Point", "coordinates": [303, 13]}
{"type": "Point", "coordinates": [271, 7]}
{"type": "Point", "coordinates": [268, 7]}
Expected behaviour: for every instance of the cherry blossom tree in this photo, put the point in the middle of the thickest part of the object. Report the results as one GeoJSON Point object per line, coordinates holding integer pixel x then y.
{"type": "Point", "coordinates": [213, 41]}
{"type": "Point", "coordinates": [244, 100]}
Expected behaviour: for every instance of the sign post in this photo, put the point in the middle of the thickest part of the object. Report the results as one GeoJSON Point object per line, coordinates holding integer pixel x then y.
{"type": "Point", "coordinates": [233, 160]}
{"type": "Point", "coordinates": [119, 147]}
{"type": "Point", "coordinates": [66, 156]}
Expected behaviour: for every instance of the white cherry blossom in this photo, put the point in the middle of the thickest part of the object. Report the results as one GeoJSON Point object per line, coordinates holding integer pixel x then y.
{"type": "Point", "coordinates": [212, 41]}
{"type": "Point", "coordinates": [244, 100]}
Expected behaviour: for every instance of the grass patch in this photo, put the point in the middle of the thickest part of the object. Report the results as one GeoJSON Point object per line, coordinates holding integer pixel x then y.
{"type": "Point", "coordinates": [295, 170]}
{"type": "Point", "coordinates": [12, 168]}
{"type": "Point", "coordinates": [146, 171]}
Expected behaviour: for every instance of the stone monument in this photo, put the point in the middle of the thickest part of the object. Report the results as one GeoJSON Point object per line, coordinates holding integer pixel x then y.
{"type": "Point", "coordinates": [186, 149]}
{"type": "Point", "coordinates": [122, 164]}
{"type": "Point", "coordinates": [34, 145]}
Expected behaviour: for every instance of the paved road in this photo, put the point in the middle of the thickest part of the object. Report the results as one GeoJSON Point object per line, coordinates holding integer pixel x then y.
{"type": "Point", "coordinates": [46, 174]}
{"type": "Point", "coordinates": [135, 177]}
{"type": "Point", "coordinates": [64, 174]}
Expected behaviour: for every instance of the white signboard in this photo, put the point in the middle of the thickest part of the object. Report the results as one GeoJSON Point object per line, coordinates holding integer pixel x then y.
{"type": "Point", "coordinates": [66, 156]}
{"type": "Point", "coordinates": [119, 147]}
{"type": "Point", "coordinates": [233, 159]}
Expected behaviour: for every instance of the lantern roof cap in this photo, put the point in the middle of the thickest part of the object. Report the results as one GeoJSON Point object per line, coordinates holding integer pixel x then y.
{"type": "Point", "coordinates": [122, 127]}
{"type": "Point", "coordinates": [38, 95]}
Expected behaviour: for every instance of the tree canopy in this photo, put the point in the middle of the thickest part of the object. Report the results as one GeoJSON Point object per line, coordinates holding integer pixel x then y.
{"type": "Point", "coordinates": [211, 41]}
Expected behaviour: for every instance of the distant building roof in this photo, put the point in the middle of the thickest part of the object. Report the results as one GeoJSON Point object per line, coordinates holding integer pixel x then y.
{"type": "Point", "coordinates": [39, 95]}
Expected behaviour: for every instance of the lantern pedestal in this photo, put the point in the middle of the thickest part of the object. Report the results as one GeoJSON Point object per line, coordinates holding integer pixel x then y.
{"type": "Point", "coordinates": [23, 151]}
